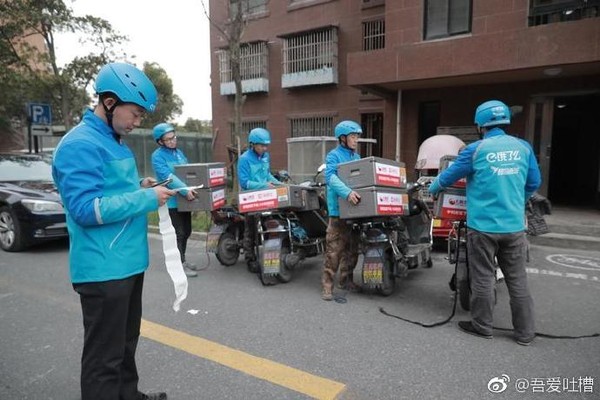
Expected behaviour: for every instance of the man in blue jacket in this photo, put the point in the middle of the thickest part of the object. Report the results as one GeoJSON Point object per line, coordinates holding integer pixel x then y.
{"type": "Point", "coordinates": [164, 160]}
{"type": "Point", "coordinates": [341, 251]}
{"type": "Point", "coordinates": [106, 205]}
{"type": "Point", "coordinates": [254, 172]}
{"type": "Point", "coordinates": [502, 173]}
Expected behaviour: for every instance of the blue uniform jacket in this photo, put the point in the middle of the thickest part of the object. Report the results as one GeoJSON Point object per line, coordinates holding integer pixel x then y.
{"type": "Point", "coordinates": [337, 189]}
{"type": "Point", "coordinates": [254, 172]}
{"type": "Point", "coordinates": [105, 206]}
{"type": "Point", "coordinates": [502, 173]}
{"type": "Point", "coordinates": [164, 161]}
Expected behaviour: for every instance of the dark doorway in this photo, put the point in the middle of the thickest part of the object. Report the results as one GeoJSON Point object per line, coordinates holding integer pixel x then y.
{"type": "Point", "coordinates": [575, 151]}
{"type": "Point", "coordinates": [429, 119]}
{"type": "Point", "coordinates": [373, 126]}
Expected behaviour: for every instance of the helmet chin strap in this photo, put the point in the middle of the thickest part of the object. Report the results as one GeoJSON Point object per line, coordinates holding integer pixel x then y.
{"type": "Point", "coordinates": [109, 115]}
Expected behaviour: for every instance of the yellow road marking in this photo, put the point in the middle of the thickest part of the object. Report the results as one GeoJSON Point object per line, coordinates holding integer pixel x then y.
{"type": "Point", "coordinates": [280, 374]}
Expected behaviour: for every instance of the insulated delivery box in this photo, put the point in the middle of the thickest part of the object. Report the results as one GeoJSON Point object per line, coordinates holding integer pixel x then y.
{"type": "Point", "coordinates": [206, 200]}
{"type": "Point", "coordinates": [295, 197]}
{"type": "Point", "coordinates": [445, 162]}
{"type": "Point", "coordinates": [376, 201]}
{"type": "Point", "coordinates": [211, 176]}
{"type": "Point", "coordinates": [373, 171]}
{"type": "Point", "coordinates": [208, 175]}
{"type": "Point", "coordinates": [451, 204]}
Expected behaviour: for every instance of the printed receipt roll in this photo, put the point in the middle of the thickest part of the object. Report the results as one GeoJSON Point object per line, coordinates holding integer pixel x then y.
{"type": "Point", "coordinates": [172, 257]}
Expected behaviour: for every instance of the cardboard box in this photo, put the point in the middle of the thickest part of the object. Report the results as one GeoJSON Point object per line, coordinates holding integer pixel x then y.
{"type": "Point", "coordinates": [447, 161]}
{"type": "Point", "coordinates": [376, 201]}
{"type": "Point", "coordinates": [206, 200]}
{"type": "Point", "coordinates": [451, 204]}
{"type": "Point", "coordinates": [295, 197]}
{"type": "Point", "coordinates": [373, 171]}
{"type": "Point", "coordinates": [207, 174]}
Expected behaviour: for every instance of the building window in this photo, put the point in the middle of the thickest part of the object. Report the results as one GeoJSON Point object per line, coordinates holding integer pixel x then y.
{"type": "Point", "coordinates": [254, 60]}
{"type": "Point", "coordinates": [542, 12]}
{"type": "Point", "coordinates": [310, 58]}
{"type": "Point", "coordinates": [247, 126]}
{"type": "Point", "coordinates": [445, 18]}
{"type": "Point", "coordinates": [249, 7]}
{"type": "Point", "coordinates": [311, 126]}
{"type": "Point", "coordinates": [373, 35]}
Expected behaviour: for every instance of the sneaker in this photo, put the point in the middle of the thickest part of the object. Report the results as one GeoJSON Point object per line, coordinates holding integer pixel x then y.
{"type": "Point", "coordinates": [189, 273]}
{"type": "Point", "coordinates": [152, 396]}
{"type": "Point", "coordinates": [350, 287]}
{"type": "Point", "coordinates": [524, 342]}
{"type": "Point", "coordinates": [253, 266]}
{"type": "Point", "coordinates": [191, 266]}
{"type": "Point", "coordinates": [467, 327]}
{"type": "Point", "coordinates": [326, 294]}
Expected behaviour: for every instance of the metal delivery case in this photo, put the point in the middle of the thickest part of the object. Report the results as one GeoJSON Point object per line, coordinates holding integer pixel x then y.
{"type": "Point", "coordinates": [299, 198]}
{"type": "Point", "coordinates": [376, 201]}
{"type": "Point", "coordinates": [207, 174]}
{"type": "Point", "coordinates": [451, 204]}
{"type": "Point", "coordinates": [206, 200]}
{"type": "Point", "coordinates": [373, 171]}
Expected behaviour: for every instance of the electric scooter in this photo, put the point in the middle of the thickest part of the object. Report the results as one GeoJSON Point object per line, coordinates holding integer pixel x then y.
{"type": "Point", "coordinates": [390, 246]}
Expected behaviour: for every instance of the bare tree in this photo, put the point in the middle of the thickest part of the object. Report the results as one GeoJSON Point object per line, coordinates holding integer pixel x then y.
{"type": "Point", "coordinates": [233, 31]}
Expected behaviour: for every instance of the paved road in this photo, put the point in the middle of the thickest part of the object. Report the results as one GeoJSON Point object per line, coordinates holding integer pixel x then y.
{"type": "Point", "coordinates": [235, 339]}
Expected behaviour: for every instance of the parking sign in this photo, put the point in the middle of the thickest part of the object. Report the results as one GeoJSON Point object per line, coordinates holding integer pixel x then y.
{"type": "Point", "coordinates": [40, 114]}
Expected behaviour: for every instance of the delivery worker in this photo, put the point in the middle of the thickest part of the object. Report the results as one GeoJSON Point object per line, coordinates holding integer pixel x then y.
{"type": "Point", "coordinates": [502, 173]}
{"type": "Point", "coordinates": [254, 172]}
{"type": "Point", "coordinates": [342, 243]}
{"type": "Point", "coordinates": [164, 160]}
{"type": "Point", "coordinates": [106, 204]}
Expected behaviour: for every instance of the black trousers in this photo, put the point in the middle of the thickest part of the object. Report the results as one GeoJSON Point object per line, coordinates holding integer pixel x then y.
{"type": "Point", "coordinates": [112, 314]}
{"type": "Point", "coordinates": [249, 239]}
{"type": "Point", "coordinates": [182, 222]}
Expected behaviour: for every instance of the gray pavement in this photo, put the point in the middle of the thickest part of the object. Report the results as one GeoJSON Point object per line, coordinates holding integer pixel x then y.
{"type": "Point", "coordinates": [571, 227]}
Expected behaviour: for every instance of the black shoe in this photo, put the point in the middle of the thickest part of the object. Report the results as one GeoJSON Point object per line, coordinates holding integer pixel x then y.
{"type": "Point", "coordinates": [253, 266]}
{"type": "Point", "coordinates": [525, 342]}
{"type": "Point", "coordinates": [467, 327]}
{"type": "Point", "coordinates": [152, 396]}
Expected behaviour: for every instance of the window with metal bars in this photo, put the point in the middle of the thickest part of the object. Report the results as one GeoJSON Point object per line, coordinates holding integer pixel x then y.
{"type": "Point", "coordinates": [253, 62]}
{"type": "Point", "coordinates": [373, 34]}
{"type": "Point", "coordinates": [445, 18]}
{"type": "Point", "coordinates": [310, 51]}
{"type": "Point", "coordinates": [311, 126]}
{"type": "Point", "coordinates": [247, 126]}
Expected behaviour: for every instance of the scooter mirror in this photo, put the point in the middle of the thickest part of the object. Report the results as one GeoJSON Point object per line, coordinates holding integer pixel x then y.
{"type": "Point", "coordinates": [321, 168]}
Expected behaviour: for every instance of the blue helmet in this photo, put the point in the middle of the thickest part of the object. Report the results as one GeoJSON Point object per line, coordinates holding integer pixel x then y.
{"type": "Point", "coordinates": [347, 127]}
{"type": "Point", "coordinates": [161, 129]}
{"type": "Point", "coordinates": [259, 136]}
{"type": "Point", "coordinates": [128, 83]}
{"type": "Point", "coordinates": [491, 113]}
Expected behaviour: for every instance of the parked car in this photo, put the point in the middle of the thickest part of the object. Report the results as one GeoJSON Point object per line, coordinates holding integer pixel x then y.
{"type": "Point", "coordinates": [30, 208]}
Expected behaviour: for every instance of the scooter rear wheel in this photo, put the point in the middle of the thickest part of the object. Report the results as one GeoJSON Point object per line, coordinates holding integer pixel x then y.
{"type": "Point", "coordinates": [388, 285]}
{"type": "Point", "coordinates": [228, 250]}
{"type": "Point", "coordinates": [285, 273]}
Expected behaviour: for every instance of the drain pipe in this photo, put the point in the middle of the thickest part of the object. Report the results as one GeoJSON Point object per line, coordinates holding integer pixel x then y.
{"type": "Point", "coordinates": [398, 123]}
